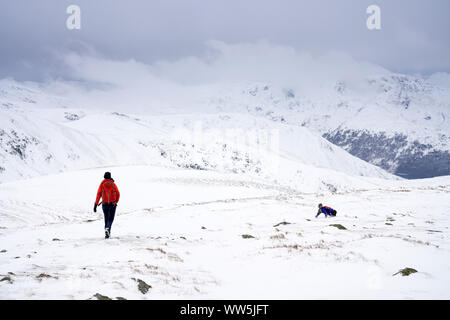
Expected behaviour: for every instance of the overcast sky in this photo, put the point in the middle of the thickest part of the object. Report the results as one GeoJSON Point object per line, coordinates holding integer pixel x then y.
{"type": "Point", "coordinates": [33, 36]}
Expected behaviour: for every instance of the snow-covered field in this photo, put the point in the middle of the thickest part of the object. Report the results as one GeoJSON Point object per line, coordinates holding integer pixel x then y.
{"type": "Point", "coordinates": [181, 232]}
{"type": "Point", "coordinates": [218, 198]}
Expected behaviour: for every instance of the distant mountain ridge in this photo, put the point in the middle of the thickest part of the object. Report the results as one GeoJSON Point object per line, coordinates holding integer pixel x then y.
{"type": "Point", "coordinates": [397, 122]}
{"type": "Point", "coordinates": [41, 135]}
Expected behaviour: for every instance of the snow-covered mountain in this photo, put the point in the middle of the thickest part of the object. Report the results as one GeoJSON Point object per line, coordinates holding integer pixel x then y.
{"type": "Point", "coordinates": [215, 202]}
{"type": "Point", "coordinates": [397, 122]}
{"type": "Point", "coordinates": [40, 134]}
{"type": "Point", "coordinates": [393, 121]}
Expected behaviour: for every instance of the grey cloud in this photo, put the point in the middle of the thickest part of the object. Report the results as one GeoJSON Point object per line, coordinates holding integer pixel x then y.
{"type": "Point", "coordinates": [414, 35]}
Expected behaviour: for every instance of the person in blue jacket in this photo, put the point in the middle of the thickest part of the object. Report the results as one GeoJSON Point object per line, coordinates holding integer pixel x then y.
{"type": "Point", "coordinates": [327, 211]}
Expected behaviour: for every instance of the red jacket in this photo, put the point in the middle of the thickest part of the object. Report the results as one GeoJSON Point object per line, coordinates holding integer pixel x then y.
{"type": "Point", "coordinates": [108, 192]}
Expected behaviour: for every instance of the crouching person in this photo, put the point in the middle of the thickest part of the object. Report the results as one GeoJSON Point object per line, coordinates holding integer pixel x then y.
{"type": "Point", "coordinates": [327, 211]}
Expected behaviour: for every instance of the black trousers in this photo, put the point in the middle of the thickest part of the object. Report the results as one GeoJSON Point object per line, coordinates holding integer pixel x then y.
{"type": "Point", "coordinates": [109, 211]}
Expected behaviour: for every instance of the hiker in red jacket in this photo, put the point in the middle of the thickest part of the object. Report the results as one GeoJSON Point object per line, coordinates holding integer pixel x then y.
{"type": "Point", "coordinates": [110, 195]}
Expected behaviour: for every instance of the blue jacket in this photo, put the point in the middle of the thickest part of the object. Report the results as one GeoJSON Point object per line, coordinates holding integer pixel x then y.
{"type": "Point", "coordinates": [325, 210]}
